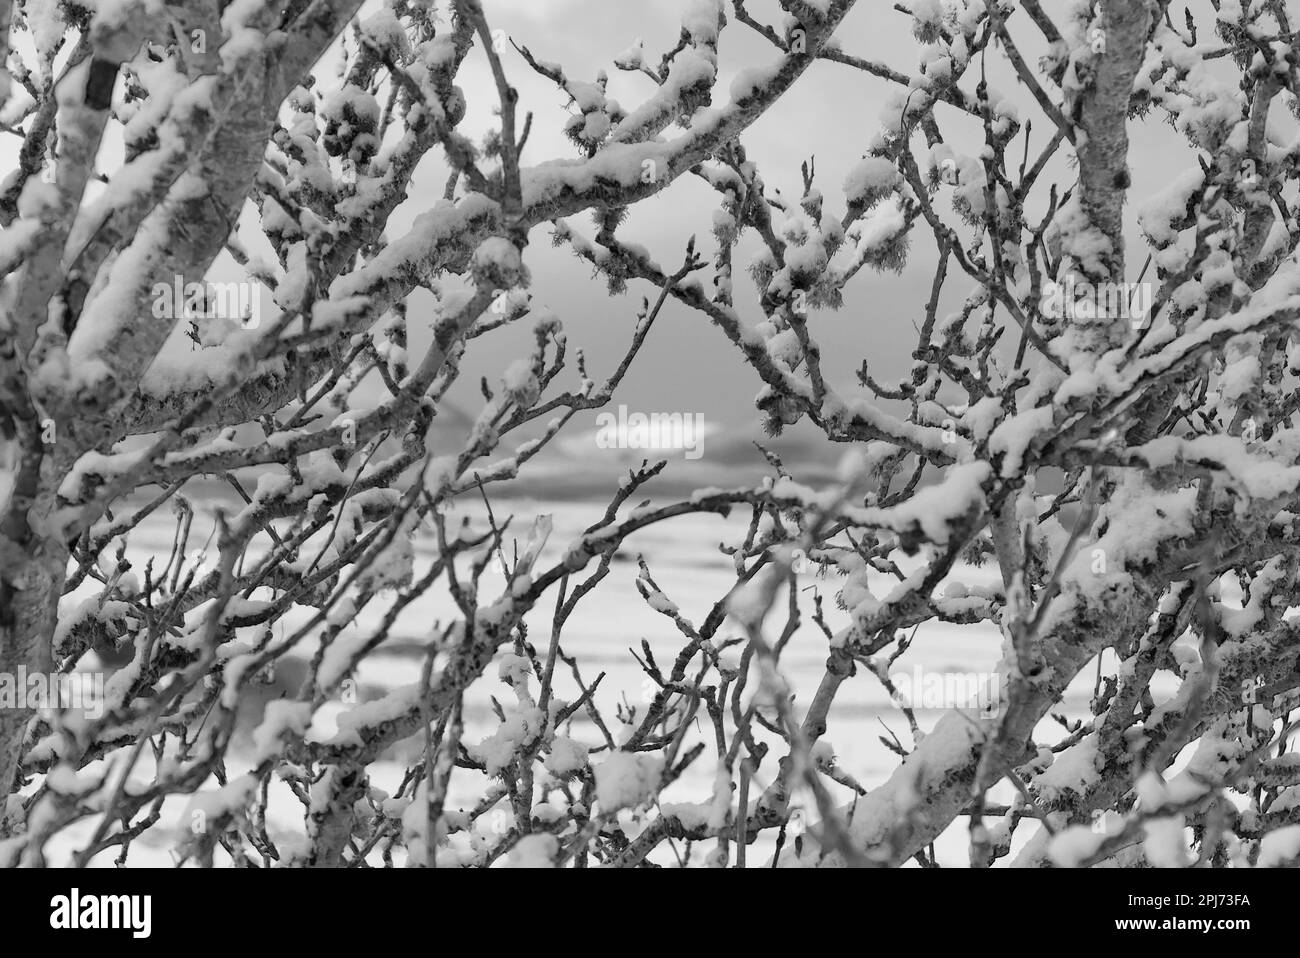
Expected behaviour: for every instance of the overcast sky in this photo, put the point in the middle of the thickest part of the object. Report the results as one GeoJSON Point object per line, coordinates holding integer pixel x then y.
{"type": "Point", "coordinates": [832, 113]}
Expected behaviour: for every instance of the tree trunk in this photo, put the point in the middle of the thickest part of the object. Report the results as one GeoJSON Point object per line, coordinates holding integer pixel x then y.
{"type": "Point", "coordinates": [28, 642]}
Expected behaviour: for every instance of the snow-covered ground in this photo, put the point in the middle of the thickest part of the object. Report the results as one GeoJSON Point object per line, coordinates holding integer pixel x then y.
{"type": "Point", "coordinates": [684, 558]}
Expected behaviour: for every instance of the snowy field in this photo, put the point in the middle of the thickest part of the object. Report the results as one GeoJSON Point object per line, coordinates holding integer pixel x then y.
{"type": "Point", "coordinates": [612, 620]}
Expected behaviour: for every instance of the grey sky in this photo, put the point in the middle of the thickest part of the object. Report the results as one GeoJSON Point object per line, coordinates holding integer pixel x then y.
{"type": "Point", "coordinates": [832, 113]}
